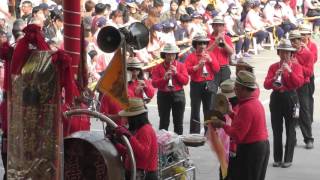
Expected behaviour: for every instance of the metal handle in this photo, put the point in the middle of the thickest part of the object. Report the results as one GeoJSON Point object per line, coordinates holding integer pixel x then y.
{"type": "Point", "coordinates": [107, 120]}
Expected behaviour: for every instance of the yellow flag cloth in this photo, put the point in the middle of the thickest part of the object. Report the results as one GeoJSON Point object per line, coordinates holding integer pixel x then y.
{"type": "Point", "coordinates": [114, 80]}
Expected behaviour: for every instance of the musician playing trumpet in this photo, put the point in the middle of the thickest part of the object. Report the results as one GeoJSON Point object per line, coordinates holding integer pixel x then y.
{"type": "Point", "coordinates": [170, 77]}
{"type": "Point", "coordinates": [202, 67]}
{"type": "Point", "coordinates": [284, 78]}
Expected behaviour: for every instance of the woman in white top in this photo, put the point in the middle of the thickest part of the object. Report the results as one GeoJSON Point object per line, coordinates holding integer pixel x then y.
{"type": "Point", "coordinates": [255, 24]}
{"type": "Point", "coordinates": [235, 29]}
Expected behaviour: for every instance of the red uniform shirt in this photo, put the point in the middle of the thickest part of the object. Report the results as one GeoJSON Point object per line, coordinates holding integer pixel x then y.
{"type": "Point", "coordinates": [249, 123]}
{"type": "Point", "coordinates": [290, 81]}
{"type": "Point", "coordinates": [197, 76]}
{"type": "Point", "coordinates": [314, 50]}
{"type": "Point", "coordinates": [179, 79]}
{"type": "Point", "coordinates": [305, 59]}
{"type": "Point", "coordinates": [220, 53]}
{"type": "Point", "coordinates": [148, 89]}
{"type": "Point", "coordinates": [145, 148]}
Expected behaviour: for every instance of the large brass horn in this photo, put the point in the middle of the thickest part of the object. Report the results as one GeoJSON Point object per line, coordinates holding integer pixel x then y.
{"type": "Point", "coordinates": [135, 35]}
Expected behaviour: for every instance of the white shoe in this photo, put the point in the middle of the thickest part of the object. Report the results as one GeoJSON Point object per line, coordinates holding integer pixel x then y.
{"type": "Point", "coordinates": [260, 48]}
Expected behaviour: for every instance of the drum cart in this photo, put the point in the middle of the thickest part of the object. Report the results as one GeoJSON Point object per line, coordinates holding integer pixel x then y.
{"type": "Point", "coordinates": [170, 166]}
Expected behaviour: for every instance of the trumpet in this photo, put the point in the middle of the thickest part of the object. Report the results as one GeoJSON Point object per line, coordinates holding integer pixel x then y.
{"type": "Point", "coordinates": [170, 83]}
{"type": "Point", "coordinates": [204, 68]}
{"type": "Point", "coordinates": [144, 95]}
{"type": "Point", "coordinates": [278, 80]}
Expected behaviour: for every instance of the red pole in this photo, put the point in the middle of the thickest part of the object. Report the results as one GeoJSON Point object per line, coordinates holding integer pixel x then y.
{"type": "Point", "coordinates": [72, 31]}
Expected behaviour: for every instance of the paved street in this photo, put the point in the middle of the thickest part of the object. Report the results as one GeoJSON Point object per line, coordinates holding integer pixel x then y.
{"type": "Point", "coordinates": [306, 162]}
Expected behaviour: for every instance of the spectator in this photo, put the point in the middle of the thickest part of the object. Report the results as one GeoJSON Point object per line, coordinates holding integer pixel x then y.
{"type": "Point", "coordinates": [134, 11]}
{"type": "Point", "coordinates": [26, 10]}
{"type": "Point", "coordinates": [4, 9]}
{"type": "Point", "coordinates": [172, 13]}
{"type": "Point", "coordinates": [152, 19]}
{"type": "Point", "coordinates": [155, 44]}
{"type": "Point", "coordinates": [183, 4]}
{"type": "Point", "coordinates": [183, 36]}
{"type": "Point", "coordinates": [255, 23]}
{"type": "Point", "coordinates": [100, 11]}
{"type": "Point", "coordinates": [158, 4]}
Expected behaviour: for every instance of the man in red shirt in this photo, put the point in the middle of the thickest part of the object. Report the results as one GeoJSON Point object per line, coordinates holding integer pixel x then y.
{"type": "Point", "coordinates": [306, 60]}
{"type": "Point", "coordinates": [284, 78]}
{"type": "Point", "coordinates": [202, 67]}
{"type": "Point", "coordinates": [248, 130]}
{"type": "Point", "coordinates": [306, 39]}
{"type": "Point", "coordinates": [222, 48]}
{"type": "Point", "coordinates": [170, 77]}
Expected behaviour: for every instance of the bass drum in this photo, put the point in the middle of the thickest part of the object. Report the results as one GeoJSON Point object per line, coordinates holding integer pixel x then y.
{"type": "Point", "coordinates": [91, 156]}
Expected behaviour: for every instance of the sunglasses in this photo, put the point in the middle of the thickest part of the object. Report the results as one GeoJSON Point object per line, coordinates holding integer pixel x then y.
{"type": "Point", "coordinates": [201, 43]}
{"type": "Point", "coordinates": [133, 69]}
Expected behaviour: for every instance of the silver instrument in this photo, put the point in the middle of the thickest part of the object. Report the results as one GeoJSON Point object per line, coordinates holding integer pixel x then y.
{"type": "Point", "coordinates": [170, 84]}
{"type": "Point", "coordinates": [204, 70]}
{"type": "Point", "coordinates": [278, 82]}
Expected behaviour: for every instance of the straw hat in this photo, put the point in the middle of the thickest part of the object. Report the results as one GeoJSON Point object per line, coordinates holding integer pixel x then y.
{"type": "Point", "coordinates": [246, 79]}
{"type": "Point", "coordinates": [305, 29]}
{"type": "Point", "coordinates": [243, 63]}
{"type": "Point", "coordinates": [227, 88]}
{"type": "Point", "coordinates": [133, 62]}
{"type": "Point", "coordinates": [200, 38]}
{"type": "Point", "coordinates": [170, 48]}
{"type": "Point", "coordinates": [295, 34]}
{"type": "Point", "coordinates": [218, 20]}
{"type": "Point", "coordinates": [285, 45]}
{"type": "Point", "coordinates": [136, 107]}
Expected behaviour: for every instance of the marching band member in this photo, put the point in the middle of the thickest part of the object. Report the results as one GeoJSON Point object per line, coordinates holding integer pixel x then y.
{"type": "Point", "coordinates": [248, 130]}
{"type": "Point", "coordinates": [254, 22]}
{"type": "Point", "coordinates": [222, 48]}
{"type": "Point", "coordinates": [142, 138]}
{"type": "Point", "coordinates": [170, 77]}
{"type": "Point", "coordinates": [306, 39]}
{"type": "Point", "coordinates": [284, 78]}
{"type": "Point", "coordinates": [202, 67]}
{"type": "Point", "coordinates": [306, 60]}
{"type": "Point", "coordinates": [138, 87]}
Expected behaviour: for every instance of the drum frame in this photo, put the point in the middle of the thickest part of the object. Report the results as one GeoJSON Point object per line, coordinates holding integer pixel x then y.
{"type": "Point", "coordinates": [107, 120]}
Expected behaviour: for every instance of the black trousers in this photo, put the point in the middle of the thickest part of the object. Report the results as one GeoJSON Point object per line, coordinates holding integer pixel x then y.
{"type": "Point", "coordinates": [311, 99]}
{"type": "Point", "coordinates": [175, 101]}
{"type": "Point", "coordinates": [281, 108]}
{"type": "Point", "coordinates": [305, 120]}
{"type": "Point", "coordinates": [252, 161]}
{"type": "Point", "coordinates": [4, 154]}
{"type": "Point", "coordinates": [199, 92]}
{"type": "Point", "coordinates": [221, 76]}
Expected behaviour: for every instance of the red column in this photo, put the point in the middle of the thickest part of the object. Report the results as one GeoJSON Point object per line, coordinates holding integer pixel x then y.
{"type": "Point", "coordinates": [72, 31]}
